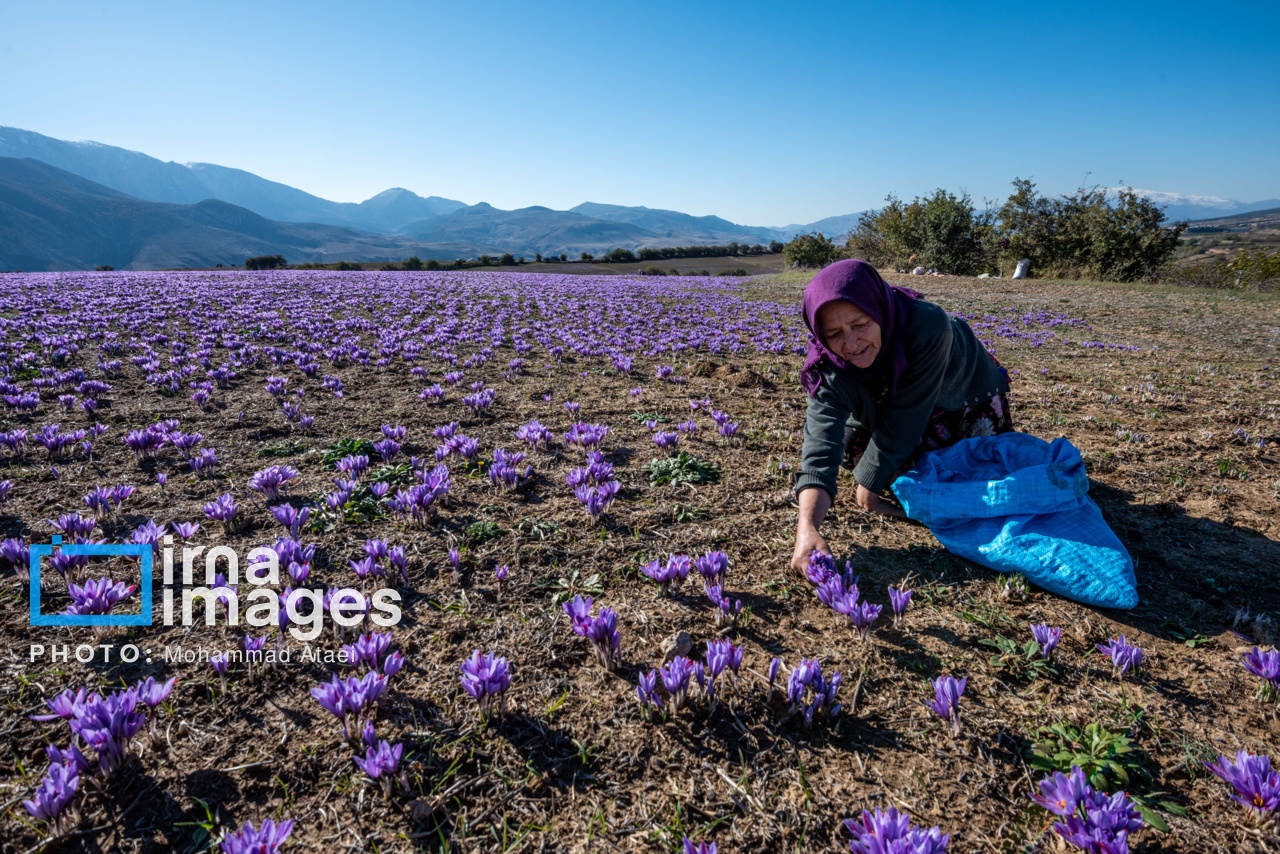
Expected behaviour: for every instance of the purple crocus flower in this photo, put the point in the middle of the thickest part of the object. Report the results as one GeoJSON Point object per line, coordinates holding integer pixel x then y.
{"type": "Point", "coordinates": [267, 839]}
{"type": "Point", "coordinates": [774, 666]}
{"type": "Point", "coordinates": [274, 480]}
{"type": "Point", "coordinates": [885, 832]}
{"type": "Point", "coordinates": [291, 517]}
{"type": "Point", "coordinates": [223, 510]}
{"type": "Point", "coordinates": [947, 691]}
{"type": "Point", "coordinates": [863, 615]}
{"type": "Point", "coordinates": [1060, 793]}
{"type": "Point", "coordinates": [53, 798]}
{"type": "Point", "coordinates": [486, 679]}
{"type": "Point", "coordinates": [1047, 637]}
{"type": "Point", "coordinates": [1101, 823]}
{"type": "Point", "coordinates": [1124, 655]}
{"type": "Point", "coordinates": [152, 693]}
{"type": "Point", "coordinates": [647, 693]}
{"type": "Point", "coordinates": [900, 600]}
{"type": "Point", "coordinates": [809, 692]}
{"type": "Point", "coordinates": [381, 763]}
{"type": "Point", "coordinates": [1257, 786]}
{"type": "Point", "coordinates": [675, 679]}
{"type": "Point", "coordinates": [16, 554]}
{"type": "Point", "coordinates": [1266, 666]}
{"type": "Point", "coordinates": [712, 565]}
{"type": "Point", "coordinates": [66, 705]}
{"type": "Point", "coordinates": [98, 596]}
{"type": "Point", "coordinates": [666, 441]}
{"type": "Point", "coordinates": [605, 639]}
{"type": "Point", "coordinates": [690, 847]}
{"type": "Point", "coordinates": [500, 575]}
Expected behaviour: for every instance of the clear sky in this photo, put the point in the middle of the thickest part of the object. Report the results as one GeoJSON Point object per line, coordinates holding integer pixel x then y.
{"type": "Point", "coordinates": [763, 113]}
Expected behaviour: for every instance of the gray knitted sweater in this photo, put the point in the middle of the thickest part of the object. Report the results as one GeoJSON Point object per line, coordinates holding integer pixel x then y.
{"type": "Point", "coordinates": [947, 368]}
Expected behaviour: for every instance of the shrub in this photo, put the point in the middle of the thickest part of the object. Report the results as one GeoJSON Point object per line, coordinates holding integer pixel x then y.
{"type": "Point", "coordinates": [810, 251]}
{"type": "Point", "coordinates": [265, 262]}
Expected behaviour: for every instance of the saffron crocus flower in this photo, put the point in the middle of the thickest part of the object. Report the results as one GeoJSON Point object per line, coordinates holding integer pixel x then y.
{"type": "Point", "coordinates": [266, 839]}
{"type": "Point", "coordinates": [712, 565]}
{"type": "Point", "coordinates": [1101, 823]}
{"type": "Point", "coordinates": [500, 575]}
{"type": "Point", "coordinates": [727, 612]}
{"type": "Point", "coordinates": [107, 724]}
{"type": "Point", "coordinates": [486, 679]}
{"type": "Point", "coordinates": [811, 693]}
{"type": "Point", "coordinates": [152, 693]}
{"type": "Point", "coordinates": [722, 655]}
{"type": "Point", "coordinates": [675, 679]}
{"type": "Point", "coordinates": [947, 691]}
{"type": "Point", "coordinates": [647, 694]}
{"type": "Point", "coordinates": [53, 798]}
{"type": "Point", "coordinates": [274, 480]}
{"type": "Point", "coordinates": [882, 832]}
{"type": "Point", "coordinates": [1060, 793]}
{"type": "Point", "coordinates": [666, 441]}
{"type": "Point", "coordinates": [863, 615]}
{"type": "Point", "coordinates": [900, 600]}
{"type": "Point", "coordinates": [1257, 786]}
{"type": "Point", "coordinates": [505, 470]}
{"type": "Point", "coordinates": [66, 705]}
{"type": "Point", "coordinates": [1266, 666]}
{"type": "Point", "coordinates": [223, 510]}
{"type": "Point", "coordinates": [291, 517]}
{"type": "Point", "coordinates": [690, 847]}
{"type": "Point", "coordinates": [1124, 655]}
{"type": "Point", "coordinates": [381, 763]}
{"type": "Point", "coordinates": [98, 596]}
{"type": "Point", "coordinates": [1047, 638]}
{"type": "Point", "coordinates": [774, 666]}
{"type": "Point", "coordinates": [669, 574]}
{"type": "Point", "coordinates": [605, 639]}
{"type": "Point", "coordinates": [16, 554]}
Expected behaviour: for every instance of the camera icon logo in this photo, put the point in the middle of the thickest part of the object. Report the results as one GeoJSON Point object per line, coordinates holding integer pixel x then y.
{"type": "Point", "coordinates": [142, 551]}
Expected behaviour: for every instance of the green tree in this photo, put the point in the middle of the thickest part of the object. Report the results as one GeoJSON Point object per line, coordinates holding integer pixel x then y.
{"type": "Point", "coordinates": [507, 260]}
{"type": "Point", "coordinates": [1087, 234]}
{"type": "Point", "coordinates": [587, 256]}
{"type": "Point", "coordinates": [413, 262]}
{"type": "Point", "coordinates": [265, 262]}
{"type": "Point", "coordinates": [810, 251]}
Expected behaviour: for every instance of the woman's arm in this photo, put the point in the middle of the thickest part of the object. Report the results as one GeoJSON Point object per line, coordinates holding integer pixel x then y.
{"type": "Point", "coordinates": [814, 504]}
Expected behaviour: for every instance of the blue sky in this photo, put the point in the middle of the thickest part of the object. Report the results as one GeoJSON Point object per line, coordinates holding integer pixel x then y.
{"type": "Point", "coordinates": [763, 113]}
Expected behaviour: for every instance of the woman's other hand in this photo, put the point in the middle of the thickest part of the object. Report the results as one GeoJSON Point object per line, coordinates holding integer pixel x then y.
{"type": "Point", "coordinates": [872, 503]}
{"type": "Point", "coordinates": [807, 541]}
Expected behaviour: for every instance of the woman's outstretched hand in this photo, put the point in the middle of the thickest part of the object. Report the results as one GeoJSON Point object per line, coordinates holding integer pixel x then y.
{"type": "Point", "coordinates": [872, 503]}
{"type": "Point", "coordinates": [806, 543]}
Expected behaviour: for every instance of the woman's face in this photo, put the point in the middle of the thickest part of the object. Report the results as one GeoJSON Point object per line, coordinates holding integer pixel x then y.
{"type": "Point", "coordinates": [849, 332]}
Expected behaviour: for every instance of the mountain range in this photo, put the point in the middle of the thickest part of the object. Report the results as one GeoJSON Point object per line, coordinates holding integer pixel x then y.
{"type": "Point", "coordinates": [67, 205]}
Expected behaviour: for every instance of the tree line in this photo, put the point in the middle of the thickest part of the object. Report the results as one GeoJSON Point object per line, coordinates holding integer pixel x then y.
{"type": "Point", "coordinates": [1088, 234]}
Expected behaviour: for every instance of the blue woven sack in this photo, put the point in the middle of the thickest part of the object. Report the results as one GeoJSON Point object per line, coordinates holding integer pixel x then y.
{"type": "Point", "coordinates": [1016, 503]}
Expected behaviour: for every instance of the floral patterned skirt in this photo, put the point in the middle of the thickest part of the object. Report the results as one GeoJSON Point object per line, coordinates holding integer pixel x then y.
{"type": "Point", "coordinates": [946, 427]}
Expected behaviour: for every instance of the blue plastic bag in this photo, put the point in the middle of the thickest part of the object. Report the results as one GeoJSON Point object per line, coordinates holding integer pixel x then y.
{"type": "Point", "coordinates": [1016, 503]}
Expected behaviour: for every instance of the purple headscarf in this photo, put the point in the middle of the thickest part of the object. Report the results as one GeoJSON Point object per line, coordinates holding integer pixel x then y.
{"type": "Point", "coordinates": [888, 305]}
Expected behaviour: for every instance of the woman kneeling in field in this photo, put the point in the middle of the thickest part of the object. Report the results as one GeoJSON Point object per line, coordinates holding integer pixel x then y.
{"type": "Point", "coordinates": [889, 376]}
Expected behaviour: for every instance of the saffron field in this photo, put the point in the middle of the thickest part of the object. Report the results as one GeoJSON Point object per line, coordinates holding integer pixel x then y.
{"type": "Point", "coordinates": [574, 493]}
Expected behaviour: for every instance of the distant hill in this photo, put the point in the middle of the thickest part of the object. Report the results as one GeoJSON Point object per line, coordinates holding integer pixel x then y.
{"type": "Point", "coordinates": [535, 229]}
{"type": "Point", "coordinates": [674, 225]}
{"type": "Point", "coordinates": [1269, 218]}
{"type": "Point", "coordinates": [145, 177]}
{"type": "Point", "coordinates": [51, 219]}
